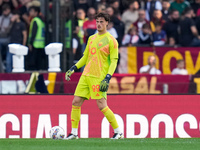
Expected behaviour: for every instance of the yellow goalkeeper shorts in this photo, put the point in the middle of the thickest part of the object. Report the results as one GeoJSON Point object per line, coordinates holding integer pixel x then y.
{"type": "Point", "coordinates": [89, 87]}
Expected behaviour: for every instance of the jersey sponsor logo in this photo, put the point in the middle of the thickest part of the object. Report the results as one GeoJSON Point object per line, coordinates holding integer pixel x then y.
{"type": "Point", "coordinates": [97, 94]}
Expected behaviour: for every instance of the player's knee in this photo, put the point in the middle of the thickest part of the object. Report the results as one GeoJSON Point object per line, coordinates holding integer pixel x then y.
{"type": "Point", "coordinates": [77, 101]}
{"type": "Point", "coordinates": [101, 105]}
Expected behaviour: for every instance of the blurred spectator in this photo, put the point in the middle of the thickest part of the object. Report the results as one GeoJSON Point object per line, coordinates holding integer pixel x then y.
{"type": "Point", "coordinates": [68, 27]}
{"type": "Point", "coordinates": [145, 35]}
{"type": "Point", "coordinates": [188, 32]}
{"type": "Point", "coordinates": [36, 45]}
{"type": "Point", "coordinates": [89, 26]}
{"type": "Point", "coordinates": [180, 68]}
{"type": "Point", "coordinates": [159, 36]}
{"type": "Point", "coordinates": [80, 14]}
{"type": "Point", "coordinates": [150, 6]}
{"type": "Point", "coordinates": [131, 37]}
{"type": "Point", "coordinates": [112, 30]}
{"type": "Point", "coordinates": [197, 22]}
{"type": "Point", "coordinates": [171, 28]}
{"type": "Point", "coordinates": [77, 47]}
{"type": "Point", "coordinates": [104, 2]}
{"type": "Point", "coordinates": [101, 8]}
{"type": "Point", "coordinates": [24, 11]}
{"type": "Point", "coordinates": [141, 20]}
{"type": "Point", "coordinates": [5, 26]}
{"type": "Point", "coordinates": [179, 5]}
{"type": "Point", "coordinates": [196, 7]}
{"type": "Point", "coordinates": [12, 3]}
{"type": "Point", "coordinates": [115, 5]}
{"type": "Point", "coordinates": [157, 18]}
{"type": "Point", "coordinates": [165, 9]}
{"type": "Point", "coordinates": [117, 24]}
{"type": "Point", "coordinates": [81, 4]}
{"type": "Point", "coordinates": [18, 34]}
{"type": "Point", "coordinates": [130, 15]}
{"type": "Point", "coordinates": [150, 68]}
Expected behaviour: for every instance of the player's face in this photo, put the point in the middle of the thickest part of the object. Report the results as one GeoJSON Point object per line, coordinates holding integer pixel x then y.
{"type": "Point", "coordinates": [101, 24]}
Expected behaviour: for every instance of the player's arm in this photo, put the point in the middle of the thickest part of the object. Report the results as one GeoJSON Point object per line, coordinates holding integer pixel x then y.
{"type": "Point", "coordinates": [113, 46]}
{"type": "Point", "coordinates": [78, 65]}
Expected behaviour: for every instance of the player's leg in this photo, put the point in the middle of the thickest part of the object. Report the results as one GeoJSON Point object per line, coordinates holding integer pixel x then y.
{"type": "Point", "coordinates": [76, 113]}
{"type": "Point", "coordinates": [75, 116]}
{"type": "Point", "coordinates": [102, 105]}
{"type": "Point", "coordinates": [82, 93]}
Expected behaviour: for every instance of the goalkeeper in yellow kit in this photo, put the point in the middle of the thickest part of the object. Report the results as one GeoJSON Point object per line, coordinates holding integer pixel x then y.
{"type": "Point", "coordinates": [100, 60]}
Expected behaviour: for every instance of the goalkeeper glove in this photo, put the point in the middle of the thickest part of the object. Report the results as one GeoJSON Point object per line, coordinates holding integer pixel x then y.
{"type": "Point", "coordinates": [70, 72]}
{"type": "Point", "coordinates": [105, 83]}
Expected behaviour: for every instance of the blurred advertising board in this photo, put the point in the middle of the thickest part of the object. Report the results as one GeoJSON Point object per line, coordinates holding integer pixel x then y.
{"type": "Point", "coordinates": [139, 116]}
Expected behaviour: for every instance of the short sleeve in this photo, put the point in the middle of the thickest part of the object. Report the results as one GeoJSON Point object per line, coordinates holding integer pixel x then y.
{"type": "Point", "coordinates": [113, 47]}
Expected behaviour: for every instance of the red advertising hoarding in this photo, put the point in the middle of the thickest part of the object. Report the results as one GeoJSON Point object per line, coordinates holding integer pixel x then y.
{"type": "Point", "coordinates": [139, 116]}
{"type": "Point", "coordinates": [138, 83]}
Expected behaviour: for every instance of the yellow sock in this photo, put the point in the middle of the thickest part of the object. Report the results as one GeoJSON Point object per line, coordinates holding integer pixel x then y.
{"type": "Point", "coordinates": [110, 117]}
{"type": "Point", "coordinates": [75, 116]}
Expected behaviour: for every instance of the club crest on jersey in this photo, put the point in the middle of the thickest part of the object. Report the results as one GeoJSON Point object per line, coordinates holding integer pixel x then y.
{"type": "Point", "coordinates": [93, 51]}
{"type": "Point", "coordinates": [100, 43]}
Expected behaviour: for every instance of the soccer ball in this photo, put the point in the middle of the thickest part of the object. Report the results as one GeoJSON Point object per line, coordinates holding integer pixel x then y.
{"type": "Point", "coordinates": [56, 133]}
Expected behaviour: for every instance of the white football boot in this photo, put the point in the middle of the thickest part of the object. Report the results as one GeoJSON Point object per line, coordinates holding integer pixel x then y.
{"type": "Point", "coordinates": [71, 137]}
{"type": "Point", "coordinates": [118, 136]}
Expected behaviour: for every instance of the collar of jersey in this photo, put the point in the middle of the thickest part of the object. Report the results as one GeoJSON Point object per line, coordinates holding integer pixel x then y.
{"type": "Point", "coordinates": [101, 34]}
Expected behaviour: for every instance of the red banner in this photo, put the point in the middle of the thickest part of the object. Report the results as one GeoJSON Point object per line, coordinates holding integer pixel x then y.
{"type": "Point", "coordinates": [130, 83]}
{"type": "Point", "coordinates": [139, 116]}
{"type": "Point", "coordinates": [120, 83]}
{"type": "Point", "coordinates": [133, 58]}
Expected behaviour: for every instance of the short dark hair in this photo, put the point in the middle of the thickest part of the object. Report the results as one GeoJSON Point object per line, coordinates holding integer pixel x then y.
{"type": "Point", "coordinates": [179, 60]}
{"type": "Point", "coordinates": [145, 26]}
{"type": "Point", "coordinates": [157, 23]}
{"type": "Point", "coordinates": [130, 29]}
{"type": "Point", "coordinates": [172, 11]}
{"type": "Point", "coordinates": [103, 15]}
{"type": "Point", "coordinates": [187, 10]}
{"type": "Point", "coordinates": [113, 1]}
{"type": "Point", "coordinates": [5, 6]}
{"type": "Point", "coordinates": [35, 8]}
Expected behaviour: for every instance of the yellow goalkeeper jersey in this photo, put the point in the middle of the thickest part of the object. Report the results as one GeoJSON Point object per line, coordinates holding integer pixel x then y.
{"type": "Point", "coordinates": [100, 50]}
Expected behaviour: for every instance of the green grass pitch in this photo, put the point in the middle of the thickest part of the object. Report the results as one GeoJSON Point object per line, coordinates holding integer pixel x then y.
{"type": "Point", "coordinates": [100, 144]}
